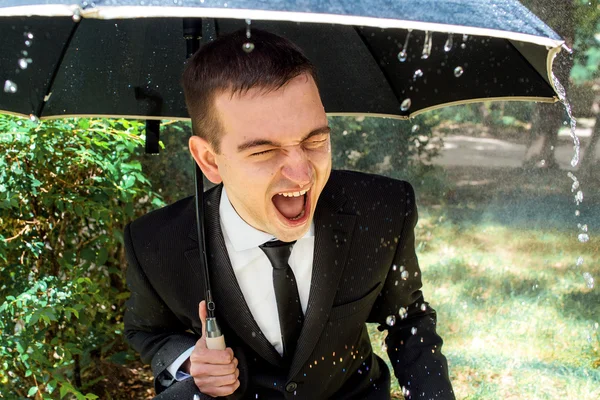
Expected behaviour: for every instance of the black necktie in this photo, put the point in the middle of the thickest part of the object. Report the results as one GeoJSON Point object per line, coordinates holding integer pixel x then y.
{"type": "Point", "coordinates": [286, 295]}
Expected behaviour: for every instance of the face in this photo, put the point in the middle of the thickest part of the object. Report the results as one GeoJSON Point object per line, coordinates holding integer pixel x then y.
{"type": "Point", "coordinates": [275, 156]}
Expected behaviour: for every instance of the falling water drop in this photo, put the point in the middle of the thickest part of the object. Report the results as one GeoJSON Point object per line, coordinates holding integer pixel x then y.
{"type": "Point", "coordinates": [458, 71]}
{"type": "Point", "coordinates": [248, 47]}
{"type": "Point", "coordinates": [391, 320]}
{"type": "Point", "coordinates": [418, 73]}
{"type": "Point", "coordinates": [404, 275]}
{"type": "Point", "coordinates": [579, 262]}
{"type": "Point", "coordinates": [402, 313]}
{"type": "Point", "coordinates": [414, 128]}
{"type": "Point", "coordinates": [579, 197]}
{"type": "Point", "coordinates": [24, 53]}
{"type": "Point", "coordinates": [423, 307]}
{"type": "Point", "coordinates": [34, 119]}
{"type": "Point", "coordinates": [28, 43]}
{"type": "Point", "coordinates": [413, 330]}
{"type": "Point", "coordinates": [394, 267]}
{"type": "Point", "coordinates": [427, 45]}
{"type": "Point", "coordinates": [463, 45]}
{"type": "Point", "coordinates": [23, 63]}
{"type": "Point", "coordinates": [589, 280]}
{"type": "Point", "coordinates": [404, 53]}
{"type": "Point", "coordinates": [405, 105]}
{"type": "Point", "coordinates": [248, 22]}
{"type": "Point", "coordinates": [583, 237]}
{"type": "Point", "coordinates": [448, 44]}
{"type": "Point", "coordinates": [10, 86]}
{"type": "Point", "coordinates": [28, 35]}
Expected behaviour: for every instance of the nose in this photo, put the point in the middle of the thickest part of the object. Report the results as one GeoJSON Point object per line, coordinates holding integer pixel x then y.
{"type": "Point", "coordinates": [297, 167]}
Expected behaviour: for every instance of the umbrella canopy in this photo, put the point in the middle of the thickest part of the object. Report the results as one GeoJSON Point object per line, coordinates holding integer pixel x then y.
{"type": "Point", "coordinates": [124, 58]}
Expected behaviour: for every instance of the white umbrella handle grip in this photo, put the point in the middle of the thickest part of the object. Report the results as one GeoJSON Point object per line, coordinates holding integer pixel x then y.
{"type": "Point", "coordinates": [216, 343]}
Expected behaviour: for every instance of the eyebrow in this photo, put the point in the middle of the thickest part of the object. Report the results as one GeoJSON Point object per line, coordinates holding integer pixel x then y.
{"type": "Point", "coordinates": [264, 142]}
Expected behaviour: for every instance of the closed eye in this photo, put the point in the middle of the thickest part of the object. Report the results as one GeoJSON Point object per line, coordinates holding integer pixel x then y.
{"type": "Point", "coordinates": [260, 153]}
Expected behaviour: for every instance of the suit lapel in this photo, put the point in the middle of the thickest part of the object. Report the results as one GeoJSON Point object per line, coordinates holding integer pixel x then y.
{"type": "Point", "coordinates": [229, 300]}
{"type": "Point", "coordinates": [333, 235]}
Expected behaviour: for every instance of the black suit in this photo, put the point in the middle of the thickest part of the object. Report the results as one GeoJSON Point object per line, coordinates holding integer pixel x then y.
{"type": "Point", "coordinates": [363, 227]}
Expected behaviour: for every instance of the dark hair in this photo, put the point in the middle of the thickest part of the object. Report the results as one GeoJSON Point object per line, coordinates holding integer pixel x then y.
{"type": "Point", "coordinates": [224, 66]}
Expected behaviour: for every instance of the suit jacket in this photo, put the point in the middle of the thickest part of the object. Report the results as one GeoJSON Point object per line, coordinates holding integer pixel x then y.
{"type": "Point", "coordinates": [364, 270]}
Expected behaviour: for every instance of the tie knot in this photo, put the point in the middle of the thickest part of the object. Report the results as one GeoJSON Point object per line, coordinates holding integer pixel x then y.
{"type": "Point", "coordinates": [278, 252]}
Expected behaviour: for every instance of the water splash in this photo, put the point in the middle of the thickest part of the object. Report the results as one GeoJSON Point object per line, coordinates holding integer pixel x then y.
{"type": "Point", "coordinates": [562, 95]}
{"type": "Point", "coordinates": [404, 53]}
{"type": "Point", "coordinates": [427, 45]}
{"type": "Point", "coordinates": [449, 43]}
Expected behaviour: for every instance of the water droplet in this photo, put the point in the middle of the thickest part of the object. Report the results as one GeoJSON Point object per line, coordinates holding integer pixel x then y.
{"type": "Point", "coordinates": [23, 63]}
{"type": "Point", "coordinates": [405, 392]}
{"type": "Point", "coordinates": [394, 267]}
{"type": "Point", "coordinates": [76, 17]}
{"type": "Point", "coordinates": [404, 53]}
{"type": "Point", "coordinates": [423, 307]}
{"type": "Point", "coordinates": [589, 280]}
{"type": "Point", "coordinates": [402, 313]}
{"type": "Point", "coordinates": [448, 44]}
{"type": "Point", "coordinates": [404, 275]}
{"type": "Point", "coordinates": [577, 213]}
{"type": "Point", "coordinates": [248, 47]}
{"type": "Point", "coordinates": [391, 320]}
{"type": "Point", "coordinates": [583, 227]}
{"type": "Point", "coordinates": [28, 43]}
{"type": "Point", "coordinates": [418, 73]}
{"type": "Point", "coordinates": [579, 261]}
{"type": "Point", "coordinates": [463, 45]}
{"type": "Point", "coordinates": [583, 237]}
{"type": "Point", "coordinates": [24, 53]}
{"type": "Point", "coordinates": [427, 46]}
{"type": "Point", "coordinates": [579, 197]}
{"type": "Point", "coordinates": [28, 35]}
{"type": "Point", "coordinates": [414, 128]}
{"type": "Point", "coordinates": [10, 86]}
{"type": "Point", "coordinates": [248, 22]}
{"type": "Point", "coordinates": [33, 118]}
{"type": "Point", "coordinates": [413, 330]}
{"type": "Point", "coordinates": [405, 105]}
{"type": "Point", "coordinates": [458, 71]}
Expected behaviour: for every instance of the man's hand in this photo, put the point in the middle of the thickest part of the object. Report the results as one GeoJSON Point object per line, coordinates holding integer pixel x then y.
{"type": "Point", "coordinates": [215, 372]}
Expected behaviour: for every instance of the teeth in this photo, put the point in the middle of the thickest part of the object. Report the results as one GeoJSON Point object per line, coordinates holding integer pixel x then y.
{"type": "Point", "coordinates": [294, 194]}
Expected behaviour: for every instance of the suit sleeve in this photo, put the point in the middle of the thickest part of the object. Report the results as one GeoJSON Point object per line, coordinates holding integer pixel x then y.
{"type": "Point", "coordinates": [150, 326]}
{"type": "Point", "coordinates": [413, 346]}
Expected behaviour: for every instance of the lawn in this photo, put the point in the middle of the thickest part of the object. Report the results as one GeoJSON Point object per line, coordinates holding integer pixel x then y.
{"type": "Point", "coordinates": [518, 317]}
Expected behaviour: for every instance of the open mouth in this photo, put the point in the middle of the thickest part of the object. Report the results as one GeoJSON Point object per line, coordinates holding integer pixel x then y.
{"type": "Point", "coordinates": [293, 206]}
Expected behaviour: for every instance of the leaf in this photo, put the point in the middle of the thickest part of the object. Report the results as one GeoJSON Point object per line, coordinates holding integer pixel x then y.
{"type": "Point", "coordinates": [88, 254]}
{"type": "Point", "coordinates": [102, 256]}
{"type": "Point", "coordinates": [32, 390]}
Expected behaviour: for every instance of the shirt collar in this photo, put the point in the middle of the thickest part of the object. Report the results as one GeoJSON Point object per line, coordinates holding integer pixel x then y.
{"type": "Point", "coordinates": [241, 235]}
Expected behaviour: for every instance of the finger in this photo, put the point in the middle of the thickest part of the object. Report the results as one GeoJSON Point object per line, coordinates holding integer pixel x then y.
{"type": "Point", "coordinates": [215, 381]}
{"type": "Point", "coordinates": [217, 391]}
{"type": "Point", "coordinates": [203, 356]}
{"type": "Point", "coordinates": [202, 312]}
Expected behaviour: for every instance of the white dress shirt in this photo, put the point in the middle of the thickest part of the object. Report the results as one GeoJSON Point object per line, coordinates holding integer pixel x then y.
{"type": "Point", "coordinates": [254, 273]}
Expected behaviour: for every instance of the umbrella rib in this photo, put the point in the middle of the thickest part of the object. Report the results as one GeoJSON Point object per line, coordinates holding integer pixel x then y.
{"type": "Point", "coordinates": [373, 55]}
{"type": "Point", "coordinates": [56, 69]}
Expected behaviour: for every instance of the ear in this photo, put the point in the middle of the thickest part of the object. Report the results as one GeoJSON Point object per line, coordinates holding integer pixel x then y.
{"type": "Point", "coordinates": [204, 156]}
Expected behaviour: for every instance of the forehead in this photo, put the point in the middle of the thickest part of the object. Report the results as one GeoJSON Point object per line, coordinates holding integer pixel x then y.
{"type": "Point", "coordinates": [290, 111]}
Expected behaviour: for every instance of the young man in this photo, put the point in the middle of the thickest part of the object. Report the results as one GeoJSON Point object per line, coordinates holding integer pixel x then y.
{"type": "Point", "coordinates": [300, 256]}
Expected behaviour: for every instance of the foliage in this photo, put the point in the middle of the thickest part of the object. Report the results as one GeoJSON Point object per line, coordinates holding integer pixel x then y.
{"type": "Point", "coordinates": [587, 41]}
{"type": "Point", "coordinates": [67, 188]}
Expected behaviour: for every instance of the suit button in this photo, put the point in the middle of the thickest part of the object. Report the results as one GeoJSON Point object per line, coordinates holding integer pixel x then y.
{"type": "Point", "coordinates": [290, 387]}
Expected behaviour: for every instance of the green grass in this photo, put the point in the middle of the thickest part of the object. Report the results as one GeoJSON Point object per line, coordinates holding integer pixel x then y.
{"type": "Point", "coordinates": [516, 315]}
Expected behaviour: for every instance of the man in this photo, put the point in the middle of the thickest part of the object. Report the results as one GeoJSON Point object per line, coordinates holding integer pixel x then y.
{"type": "Point", "coordinates": [295, 325]}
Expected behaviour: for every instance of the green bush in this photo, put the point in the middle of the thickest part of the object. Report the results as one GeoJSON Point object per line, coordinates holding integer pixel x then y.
{"type": "Point", "coordinates": [67, 188]}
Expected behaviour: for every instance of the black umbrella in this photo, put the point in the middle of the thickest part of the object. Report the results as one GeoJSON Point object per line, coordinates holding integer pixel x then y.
{"type": "Point", "coordinates": [122, 58]}
{"type": "Point", "coordinates": [394, 58]}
